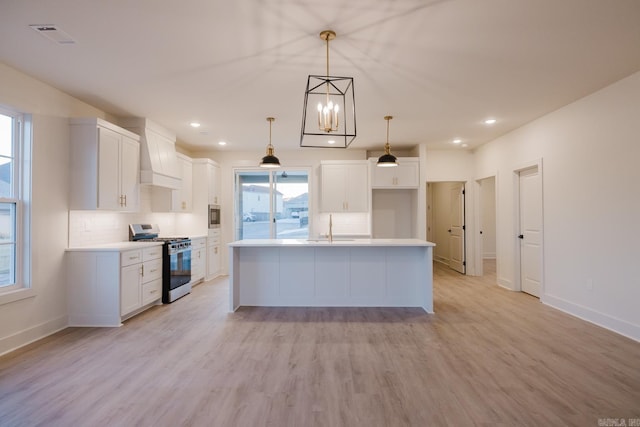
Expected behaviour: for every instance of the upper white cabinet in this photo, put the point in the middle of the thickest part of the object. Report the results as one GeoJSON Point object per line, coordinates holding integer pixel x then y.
{"type": "Point", "coordinates": [158, 161]}
{"type": "Point", "coordinates": [104, 166]}
{"type": "Point", "coordinates": [170, 200]}
{"type": "Point", "coordinates": [405, 175]}
{"type": "Point", "coordinates": [344, 186]}
{"type": "Point", "coordinates": [206, 178]}
{"type": "Point", "coordinates": [214, 184]}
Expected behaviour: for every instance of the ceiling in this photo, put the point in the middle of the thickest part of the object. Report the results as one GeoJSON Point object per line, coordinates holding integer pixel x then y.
{"type": "Point", "coordinates": [439, 67]}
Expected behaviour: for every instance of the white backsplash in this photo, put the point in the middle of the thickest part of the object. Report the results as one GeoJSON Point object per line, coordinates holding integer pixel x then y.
{"type": "Point", "coordinates": [87, 228]}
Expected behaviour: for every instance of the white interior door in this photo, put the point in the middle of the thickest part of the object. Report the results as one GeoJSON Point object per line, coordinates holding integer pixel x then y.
{"type": "Point", "coordinates": [530, 184]}
{"type": "Point", "coordinates": [456, 229]}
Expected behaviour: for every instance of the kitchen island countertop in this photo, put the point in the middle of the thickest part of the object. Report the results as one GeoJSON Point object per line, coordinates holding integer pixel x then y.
{"type": "Point", "coordinates": [337, 241]}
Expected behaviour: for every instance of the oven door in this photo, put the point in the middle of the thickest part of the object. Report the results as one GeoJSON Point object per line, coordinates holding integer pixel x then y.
{"type": "Point", "coordinates": [179, 267]}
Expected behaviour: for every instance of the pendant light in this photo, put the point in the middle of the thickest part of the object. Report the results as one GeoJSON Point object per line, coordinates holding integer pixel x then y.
{"type": "Point", "coordinates": [387, 160]}
{"type": "Point", "coordinates": [270, 161]}
{"type": "Point", "coordinates": [328, 118]}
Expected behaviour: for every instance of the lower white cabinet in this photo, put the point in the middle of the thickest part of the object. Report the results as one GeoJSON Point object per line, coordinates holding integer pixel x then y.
{"type": "Point", "coordinates": [198, 259]}
{"type": "Point", "coordinates": [107, 286]}
{"type": "Point", "coordinates": [213, 254]}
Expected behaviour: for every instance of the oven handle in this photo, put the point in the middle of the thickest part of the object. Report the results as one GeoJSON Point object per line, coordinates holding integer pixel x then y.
{"type": "Point", "coordinates": [178, 251]}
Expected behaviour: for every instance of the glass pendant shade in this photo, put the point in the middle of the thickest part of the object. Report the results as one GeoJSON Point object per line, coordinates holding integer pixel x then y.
{"type": "Point", "coordinates": [328, 117]}
{"type": "Point", "coordinates": [270, 160]}
{"type": "Point", "coordinates": [387, 160]}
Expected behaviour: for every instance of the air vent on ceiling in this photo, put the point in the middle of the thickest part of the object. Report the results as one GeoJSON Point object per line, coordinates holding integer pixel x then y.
{"type": "Point", "coordinates": [53, 33]}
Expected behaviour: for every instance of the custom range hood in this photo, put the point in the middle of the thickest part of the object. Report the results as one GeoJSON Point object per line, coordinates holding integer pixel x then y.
{"type": "Point", "coordinates": [158, 161]}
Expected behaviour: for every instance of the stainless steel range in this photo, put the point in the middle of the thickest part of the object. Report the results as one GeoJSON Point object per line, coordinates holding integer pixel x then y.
{"type": "Point", "coordinates": [176, 260]}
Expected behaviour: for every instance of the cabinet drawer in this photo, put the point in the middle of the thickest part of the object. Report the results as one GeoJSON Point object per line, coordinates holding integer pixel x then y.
{"type": "Point", "coordinates": [154, 252]}
{"type": "Point", "coordinates": [213, 241]}
{"type": "Point", "coordinates": [152, 270]}
{"type": "Point", "coordinates": [130, 257]}
{"type": "Point", "coordinates": [214, 232]}
{"type": "Point", "coordinates": [151, 291]}
{"type": "Point", "coordinates": [198, 244]}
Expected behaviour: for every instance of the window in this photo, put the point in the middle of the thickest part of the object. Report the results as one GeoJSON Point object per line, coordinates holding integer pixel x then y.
{"type": "Point", "coordinates": [13, 186]}
{"type": "Point", "coordinates": [272, 204]}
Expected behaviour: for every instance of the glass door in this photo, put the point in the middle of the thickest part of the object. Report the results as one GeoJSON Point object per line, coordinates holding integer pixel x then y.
{"type": "Point", "coordinates": [271, 204]}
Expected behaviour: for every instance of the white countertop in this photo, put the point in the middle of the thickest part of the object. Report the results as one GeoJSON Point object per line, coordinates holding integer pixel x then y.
{"type": "Point", "coordinates": [118, 246]}
{"type": "Point", "coordinates": [324, 242]}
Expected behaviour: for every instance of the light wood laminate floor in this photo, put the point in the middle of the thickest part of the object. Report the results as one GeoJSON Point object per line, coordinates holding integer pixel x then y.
{"type": "Point", "coordinates": [487, 357]}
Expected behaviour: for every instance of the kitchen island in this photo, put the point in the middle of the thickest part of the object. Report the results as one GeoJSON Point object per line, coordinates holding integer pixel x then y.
{"type": "Point", "coordinates": [341, 273]}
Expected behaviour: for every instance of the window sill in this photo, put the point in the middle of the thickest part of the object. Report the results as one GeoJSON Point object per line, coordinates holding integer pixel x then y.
{"type": "Point", "coordinates": [16, 295]}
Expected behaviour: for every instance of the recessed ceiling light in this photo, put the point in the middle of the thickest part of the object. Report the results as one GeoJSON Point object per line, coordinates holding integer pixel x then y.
{"type": "Point", "coordinates": [195, 124]}
{"type": "Point", "coordinates": [490, 121]}
{"type": "Point", "coordinates": [331, 141]}
{"type": "Point", "coordinates": [222, 143]}
{"type": "Point", "coordinates": [457, 141]}
{"type": "Point", "coordinates": [464, 146]}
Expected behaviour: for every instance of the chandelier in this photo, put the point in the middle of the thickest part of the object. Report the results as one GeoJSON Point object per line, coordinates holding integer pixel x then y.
{"type": "Point", "coordinates": [328, 118]}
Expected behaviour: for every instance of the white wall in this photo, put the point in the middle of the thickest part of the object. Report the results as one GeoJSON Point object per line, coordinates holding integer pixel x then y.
{"type": "Point", "coordinates": [488, 217]}
{"type": "Point", "coordinates": [590, 152]}
{"type": "Point", "coordinates": [28, 319]}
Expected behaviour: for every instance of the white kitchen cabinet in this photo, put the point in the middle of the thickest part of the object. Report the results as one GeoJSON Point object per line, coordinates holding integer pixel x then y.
{"type": "Point", "coordinates": [107, 286]}
{"type": "Point", "coordinates": [405, 175]}
{"type": "Point", "coordinates": [104, 166]}
{"type": "Point", "coordinates": [206, 183]}
{"type": "Point", "coordinates": [214, 184]}
{"type": "Point", "coordinates": [198, 259]}
{"type": "Point", "coordinates": [344, 186]}
{"type": "Point", "coordinates": [175, 200]}
{"type": "Point", "coordinates": [213, 254]}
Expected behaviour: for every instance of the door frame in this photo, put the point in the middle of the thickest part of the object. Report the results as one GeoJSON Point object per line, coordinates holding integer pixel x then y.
{"type": "Point", "coordinates": [237, 216]}
{"type": "Point", "coordinates": [517, 271]}
{"type": "Point", "coordinates": [477, 195]}
{"type": "Point", "coordinates": [469, 223]}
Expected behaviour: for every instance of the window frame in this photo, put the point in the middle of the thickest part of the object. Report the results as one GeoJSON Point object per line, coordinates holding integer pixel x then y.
{"type": "Point", "coordinates": [20, 197]}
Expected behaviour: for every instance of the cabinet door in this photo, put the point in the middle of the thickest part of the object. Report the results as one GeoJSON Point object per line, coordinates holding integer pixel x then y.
{"type": "Point", "coordinates": [130, 296]}
{"type": "Point", "coordinates": [357, 188]}
{"type": "Point", "coordinates": [332, 191]}
{"type": "Point", "coordinates": [407, 174]}
{"type": "Point", "coordinates": [383, 177]}
{"type": "Point", "coordinates": [129, 173]}
{"type": "Point", "coordinates": [197, 264]}
{"type": "Point", "coordinates": [213, 261]}
{"type": "Point", "coordinates": [108, 166]}
{"type": "Point", "coordinates": [184, 202]}
{"type": "Point", "coordinates": [214, 185]}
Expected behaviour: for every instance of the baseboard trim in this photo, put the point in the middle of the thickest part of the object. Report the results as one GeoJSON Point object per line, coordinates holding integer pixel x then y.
{"type": "Point", "coordinates": [505, 283]}
{"type": "Point", "coordinates": [603, 320]}
{"type": "Point", "coordinates": [30, 335]}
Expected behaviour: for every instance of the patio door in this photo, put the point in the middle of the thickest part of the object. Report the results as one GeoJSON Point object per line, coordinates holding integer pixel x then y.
{"type": "Point", "coordinates": [271, 204]}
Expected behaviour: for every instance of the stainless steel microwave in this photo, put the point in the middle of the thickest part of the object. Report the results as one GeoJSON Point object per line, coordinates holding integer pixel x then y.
{"type": "Point", "coordinates": [214, 216]}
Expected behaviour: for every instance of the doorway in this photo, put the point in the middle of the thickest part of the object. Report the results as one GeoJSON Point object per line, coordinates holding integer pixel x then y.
{"type": "Point", "coordinates": [271, 204]}
{"type": "Point", "coordinates": [530, 225]}
{"type": "Point", "coordinates": [446, 223]}
{"type": "Point", "coordinates": [486, 252]}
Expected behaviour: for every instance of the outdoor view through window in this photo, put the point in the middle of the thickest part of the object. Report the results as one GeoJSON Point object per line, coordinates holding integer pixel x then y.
{"type": "Point", "coordinates": [7, 202]}
{"type": "Point", "coordinates": [273, 204]}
